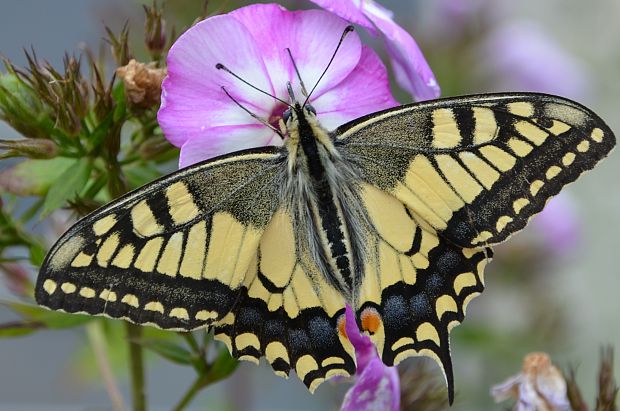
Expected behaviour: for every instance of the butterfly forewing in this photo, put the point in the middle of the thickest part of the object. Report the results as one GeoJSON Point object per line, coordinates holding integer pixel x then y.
{"type": "Point", "coordinates": [173, 253]}
{"type": "Point", "coordinates": [477, 168]}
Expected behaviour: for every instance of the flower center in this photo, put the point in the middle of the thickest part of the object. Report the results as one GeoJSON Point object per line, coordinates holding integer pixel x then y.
{"type": "Point", "coordinates": [276, 114]}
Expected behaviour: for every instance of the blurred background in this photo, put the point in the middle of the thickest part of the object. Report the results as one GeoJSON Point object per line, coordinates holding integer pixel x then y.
{"type": "Point", "coordinates": [552, 288]}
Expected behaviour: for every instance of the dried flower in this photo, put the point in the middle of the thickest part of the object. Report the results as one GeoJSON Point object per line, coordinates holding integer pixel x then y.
{"type": "Point", "coordinates": [540, 386]}
{"type": "Point", "coordinates": [412, 71]}
{"type": "Point", "coordinates": [377, 387]}
{"type": "Point", "coordinates": [198, 116]}
{"type": "Point", "coordinates": [142, 83]}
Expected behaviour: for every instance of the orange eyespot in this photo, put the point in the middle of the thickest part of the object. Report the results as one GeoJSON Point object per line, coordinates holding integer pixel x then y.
{"type": "Point", "coordinates": [371, 320]}
{"type": "Point", "coordinates": [342, 326]}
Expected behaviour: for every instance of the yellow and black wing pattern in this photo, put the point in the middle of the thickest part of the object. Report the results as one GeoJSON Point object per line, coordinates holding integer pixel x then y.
{"type": "Point", "coordinates": [477, 168]}
{"type": "Point", "coordinates": [215, 245]}
{"type": "Point", "coordinates": [445, 180]}
{"type": "Point", "coordinates": [171, 254]}
{"type": "Point", "coordinates": [207, 246]}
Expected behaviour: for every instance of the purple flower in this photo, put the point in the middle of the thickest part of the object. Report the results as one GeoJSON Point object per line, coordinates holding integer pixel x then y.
{"type": "Point", "coordinates": [410, 67]}
{"type": "Point", "coordinates": [558, 225]}
{"type": "Point", "coordinates": [197, 115]}
{"type": "Point", "coordinates": [522, 56]}
{"type": "Point", "coordinates": [377, 387]}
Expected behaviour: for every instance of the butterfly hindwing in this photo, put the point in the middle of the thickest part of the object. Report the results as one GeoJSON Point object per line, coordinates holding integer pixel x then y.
{"type": "Point", "coordinates": [287, 312]}
{"type": "Point", "coordinates": [416, 285]}
{"type": "Point", "coordinates": [477, 168]}
{"type": "Point", "coordinates": [172, 254]}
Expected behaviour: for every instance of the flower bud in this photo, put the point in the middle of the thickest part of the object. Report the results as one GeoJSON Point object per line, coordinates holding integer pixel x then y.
{"type": "Point", "coordinates": [29, 147]}
{"type": "Point", "coordinates": [154, 31]}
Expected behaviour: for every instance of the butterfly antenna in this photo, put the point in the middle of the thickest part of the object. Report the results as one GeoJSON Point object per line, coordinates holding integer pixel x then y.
{"type": "Point", "coordinates": [291, 94]}
{"type": "Point", "coordinates": [262, 120]}
{"type": "Point", "coordinates": [346, 31]}
{"type": "Point", "coordinates": [220, 66]}
{"type": "Point", "coordinates": [301, 82]}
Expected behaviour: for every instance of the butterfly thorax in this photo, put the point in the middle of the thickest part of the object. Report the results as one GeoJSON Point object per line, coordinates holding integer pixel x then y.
{"type": "Point", "coordinates": [321, 193]}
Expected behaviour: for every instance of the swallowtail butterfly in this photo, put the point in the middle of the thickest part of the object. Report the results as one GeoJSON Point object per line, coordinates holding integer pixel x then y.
{"type": "Point", "coordinates": [394, 213]}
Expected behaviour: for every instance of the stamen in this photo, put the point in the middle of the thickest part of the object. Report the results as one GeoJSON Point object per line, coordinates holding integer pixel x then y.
{"type": "Point", "coordinates": [346, 31]}
{"type": "Point", "coordinates": [220, 66]}
{"type": "Point", "coordinates": [262, 120]}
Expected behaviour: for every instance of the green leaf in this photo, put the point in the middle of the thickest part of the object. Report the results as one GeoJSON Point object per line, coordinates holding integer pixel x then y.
{"type": "Point", "coordinates": [139, 175]}
{"type": "Point", "coordinates": [120, 107]}
{"type": "Point", "coordinates": [33, 177]}
{"type": "Point", "coordinates": [223, 365]}
{"type": "Point", "coordinates": [50, 319]}
{"type": "Point", "coordinates": [18, 329]}
{"type": "Point", "coordinates": [37, 254]}
{"type": "Point", "coordinates": [100, 132]}
{"type": "Point", "coordinates": [169, 351]}
{"type": "Point", "coordinates": [67, 186]}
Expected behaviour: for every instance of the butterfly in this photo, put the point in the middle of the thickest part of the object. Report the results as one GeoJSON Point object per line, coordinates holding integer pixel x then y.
{"type": "Point", "coordinates": [394, 213]}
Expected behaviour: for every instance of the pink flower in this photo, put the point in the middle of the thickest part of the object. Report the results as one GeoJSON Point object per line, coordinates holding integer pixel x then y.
{"type": "Point", "coordinates": [377, 387]}
{"type": "Point", "coordinates": [558, 226]}
{"type": "Point", "coordinates": [412, 71]}
{"type": "Point", "coordinates": [197, 115]}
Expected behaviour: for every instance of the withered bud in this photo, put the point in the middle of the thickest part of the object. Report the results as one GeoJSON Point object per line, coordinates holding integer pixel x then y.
{"type": "Point", "coordinates": [540, 386]}
{"type": "Point", "coordinates": [119, 45]}
{"type": "Point", "coordinates": [142, 83]}
{"type": "Point", "coordinates": [29, 147]}
{"type": "Point", "coordinates": [154, 30]}
{"type": "Point", "coordinates": [607, 388]}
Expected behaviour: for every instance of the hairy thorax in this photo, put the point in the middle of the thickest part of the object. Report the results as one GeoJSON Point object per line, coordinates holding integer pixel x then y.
{"type": "Point", "coordinates": [322, 192]}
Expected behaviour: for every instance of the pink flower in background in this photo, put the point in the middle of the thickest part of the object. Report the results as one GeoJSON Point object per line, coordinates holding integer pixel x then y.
{"type": "Point", "coordinates": [521, 55]}
{"type": "Point", "coordinates": [197, 115]}
{"type": "Point", "coordinates": [558, 225]}
{"type": "Point", "coordinates": [377, 386]}
{"type": "Point", "coordinates": [410, 67]}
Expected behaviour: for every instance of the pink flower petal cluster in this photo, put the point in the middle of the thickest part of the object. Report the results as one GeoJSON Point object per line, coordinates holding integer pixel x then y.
{"type": "Point", "coordinates": [410, 67]}
{"type": "Point", "coordinates": [197, 115]}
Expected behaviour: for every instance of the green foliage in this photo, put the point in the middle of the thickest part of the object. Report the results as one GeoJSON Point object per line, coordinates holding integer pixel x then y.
{"type": "Point", "coordinates": [85, 142]}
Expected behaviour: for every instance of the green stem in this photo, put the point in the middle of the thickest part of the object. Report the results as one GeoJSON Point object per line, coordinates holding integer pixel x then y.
{"type": "Point", "coordinates": [97, 341]}
{"type": "Point", "coordinates": [136, 367]}
{"type": "Point", "coordinates": [198, 385]}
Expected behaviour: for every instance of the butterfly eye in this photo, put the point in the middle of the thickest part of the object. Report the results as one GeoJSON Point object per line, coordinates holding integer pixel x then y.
{"type": "Point", "coordinates": [310, 109]}
{"type": "Point", "coordinates": [286, 115]}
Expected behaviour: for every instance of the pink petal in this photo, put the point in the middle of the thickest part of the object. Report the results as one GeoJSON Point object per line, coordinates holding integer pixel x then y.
{"type": "Point", "coordinates": [311, 35]}
{"type": "Point", "coordinates": [222, 140]}
{"type": "Point", "coordinates": [349, 100]}
{"type": "Point", "coordinates": [348, 10]}
{"type": "Point", "coordinates": [192, 98]}
{"type": "Point", "coordinates": [411, 68]}
{"type": "Point", "coordinates": [376, 388]}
